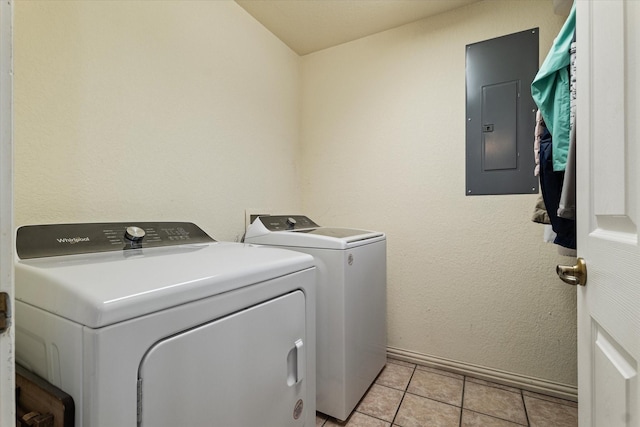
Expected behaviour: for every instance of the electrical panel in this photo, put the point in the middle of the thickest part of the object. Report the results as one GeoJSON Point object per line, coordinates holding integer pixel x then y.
{"type": "Point", "coordinates": [501, 114]}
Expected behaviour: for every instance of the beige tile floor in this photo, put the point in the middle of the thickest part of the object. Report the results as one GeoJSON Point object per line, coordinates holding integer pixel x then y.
{"type": "Point", "coordinates": [409, 395]}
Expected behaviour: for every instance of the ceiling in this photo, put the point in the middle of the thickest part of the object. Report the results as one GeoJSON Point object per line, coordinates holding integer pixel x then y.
{"type": "Point", "coordinates": [307, 26]}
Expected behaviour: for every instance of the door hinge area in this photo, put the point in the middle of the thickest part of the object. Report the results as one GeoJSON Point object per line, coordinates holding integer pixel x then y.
{"type": "Point", "coordinates": [5, 311]}
{"type": "Point", "coordinates": [139, 406]}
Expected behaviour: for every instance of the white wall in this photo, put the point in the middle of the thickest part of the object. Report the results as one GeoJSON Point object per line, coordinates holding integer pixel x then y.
{"type": "Point", "coordinates": [383, 147]}
{"type": "Point", "coordinates": [142, 110]}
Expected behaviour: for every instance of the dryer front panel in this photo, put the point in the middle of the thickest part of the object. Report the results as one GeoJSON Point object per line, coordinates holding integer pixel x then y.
{"type": "Point", "coordinates": [246, 369]}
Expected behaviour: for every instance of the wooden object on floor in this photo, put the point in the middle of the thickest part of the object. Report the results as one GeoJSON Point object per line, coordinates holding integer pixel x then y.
{"type": "Point", "coordinates": [41, 404]}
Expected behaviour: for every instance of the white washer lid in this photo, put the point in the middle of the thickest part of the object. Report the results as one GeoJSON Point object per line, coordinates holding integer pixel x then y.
{"type": "Point", "coordinates": [313, 237]}
{"type": "Point", "coordinates": [100, 289]}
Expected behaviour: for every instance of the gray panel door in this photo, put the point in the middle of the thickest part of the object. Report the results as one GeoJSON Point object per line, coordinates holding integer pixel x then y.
{"type": "Point", "coordinates": [499, 130]}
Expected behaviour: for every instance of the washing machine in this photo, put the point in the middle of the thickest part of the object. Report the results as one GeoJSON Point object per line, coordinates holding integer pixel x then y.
{"type": "Point", "coordinates": [351, 322]}
{"type": "Point", "coordinates": [156, 324]}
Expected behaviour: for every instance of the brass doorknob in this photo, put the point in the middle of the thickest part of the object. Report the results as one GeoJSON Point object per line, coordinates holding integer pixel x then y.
{"type": "Point", "coordinates": [576, 275]}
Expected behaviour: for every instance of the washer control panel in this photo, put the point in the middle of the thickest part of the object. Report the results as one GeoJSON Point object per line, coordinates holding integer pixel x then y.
{"type": "Point", "coordinates": [38, 241]}
{"type": "Point", "coordinates": [287, 222]}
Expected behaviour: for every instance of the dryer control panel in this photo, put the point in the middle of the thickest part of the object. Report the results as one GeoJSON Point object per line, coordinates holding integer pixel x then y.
{"type": "Point", "coordinates": [39, 241]}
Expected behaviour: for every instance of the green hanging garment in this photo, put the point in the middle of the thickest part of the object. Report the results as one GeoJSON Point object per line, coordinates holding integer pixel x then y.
{"type": "Point", "coordinates": [550, 91]}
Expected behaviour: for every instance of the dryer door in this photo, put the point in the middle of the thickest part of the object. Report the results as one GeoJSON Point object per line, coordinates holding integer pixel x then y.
{"type": "Point", "coordinates": [246, 369]}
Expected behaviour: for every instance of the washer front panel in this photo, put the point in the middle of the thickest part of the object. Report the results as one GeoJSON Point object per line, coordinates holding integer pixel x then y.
{"type": "Point", "coordinates": [351, 303]}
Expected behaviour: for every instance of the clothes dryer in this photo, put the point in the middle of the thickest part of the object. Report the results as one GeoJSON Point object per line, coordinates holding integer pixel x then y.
{"type": "Point", "coordinates": [157, 324]}
{"type": "Point", "coordinates": [351, 322]}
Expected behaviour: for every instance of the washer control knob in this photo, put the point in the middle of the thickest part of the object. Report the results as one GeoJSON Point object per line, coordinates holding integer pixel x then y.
{"type": "Point", "coordinates": [134, 234]}
{"type": "Point", "coordinates": [291, 222]}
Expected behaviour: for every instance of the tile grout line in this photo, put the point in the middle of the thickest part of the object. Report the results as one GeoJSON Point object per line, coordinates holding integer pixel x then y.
{"type": "Point", "coordinates": [524, 405]}
{"type": "Point", "coordinates": [554, 400]}
{"type": "Point", "coordinates": [497, 418]}
{"type": "Point", "coordinates": [464, 385]}
{"type": "Point", "coordinates": [404, 393]}
{"type": "Point", "coordinates": [370, 416]}
{"type": "Point", "coordinates": [520, 391]}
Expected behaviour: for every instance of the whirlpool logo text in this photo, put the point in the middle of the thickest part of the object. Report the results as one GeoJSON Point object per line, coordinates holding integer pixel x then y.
{"type": "Point", "coordinates": [73, 240]}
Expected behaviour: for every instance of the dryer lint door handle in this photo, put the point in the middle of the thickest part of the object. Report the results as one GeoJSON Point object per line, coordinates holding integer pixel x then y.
{"type": "Point", "coordinates": [295, 363]}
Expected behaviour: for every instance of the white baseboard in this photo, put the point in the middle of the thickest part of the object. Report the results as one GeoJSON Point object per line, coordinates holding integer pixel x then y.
{"type": "Point", "coordinates": [538, 385]}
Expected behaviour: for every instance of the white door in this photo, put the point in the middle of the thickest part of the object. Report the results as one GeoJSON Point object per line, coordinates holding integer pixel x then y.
{"type": "Point", "coordinates": [608, 176]}
{"type": "Point", "coordinates": [246, 369]}
{"type": "Point", "coordinates": [7, 380]}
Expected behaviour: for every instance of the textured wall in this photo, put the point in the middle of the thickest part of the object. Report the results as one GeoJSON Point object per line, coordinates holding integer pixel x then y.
{"type": "Point", "coordinates": [152, 110]}
{"type": "Point", "coordinates": [383, 147]}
